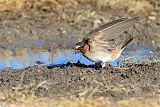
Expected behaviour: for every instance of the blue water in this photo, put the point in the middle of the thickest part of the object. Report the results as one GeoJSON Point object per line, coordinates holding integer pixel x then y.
{"type": "Point", "coordinates": [56, 56]}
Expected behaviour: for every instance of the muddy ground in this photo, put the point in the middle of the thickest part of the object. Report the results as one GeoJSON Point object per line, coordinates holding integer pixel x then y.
{"type": "Point", "coordinates": [76, 80]}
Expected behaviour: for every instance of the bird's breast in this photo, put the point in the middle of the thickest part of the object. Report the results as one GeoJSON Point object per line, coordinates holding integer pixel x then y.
{"type": "Point", "coordinates": [84, 49]}
{"type": "Point", "coordinates": [104, 56]}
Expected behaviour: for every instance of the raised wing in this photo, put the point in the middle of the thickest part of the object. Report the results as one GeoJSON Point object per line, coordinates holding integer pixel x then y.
{"type": "Point", "coordinates": [103, 36]}
{"type": "Point", "coordinates": [114, 28]}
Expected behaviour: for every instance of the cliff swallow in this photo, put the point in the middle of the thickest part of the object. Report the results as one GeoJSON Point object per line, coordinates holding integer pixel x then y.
{"type": "Point", "coordinates": [99, 45]}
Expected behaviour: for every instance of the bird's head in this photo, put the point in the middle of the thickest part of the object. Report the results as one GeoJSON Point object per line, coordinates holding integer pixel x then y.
{"type": "Point", "coordinates": [83, 47]}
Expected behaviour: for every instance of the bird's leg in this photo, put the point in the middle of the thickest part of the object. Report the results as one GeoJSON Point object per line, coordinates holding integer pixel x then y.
{"type": "Point", "coordinates": [103, 64]}
{"type": "Point", "coordinates": [100, 65]}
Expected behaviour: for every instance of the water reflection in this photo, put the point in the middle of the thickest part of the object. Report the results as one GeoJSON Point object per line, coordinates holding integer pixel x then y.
{"type": "Point", "coordinates": [23, 57]}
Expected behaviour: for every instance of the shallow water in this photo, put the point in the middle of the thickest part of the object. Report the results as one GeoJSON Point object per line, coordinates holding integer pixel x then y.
{"type": "Point", "coordinates": [18, 58]}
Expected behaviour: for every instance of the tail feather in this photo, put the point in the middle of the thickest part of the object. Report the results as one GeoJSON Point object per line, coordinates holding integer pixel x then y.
{"type": "Point", "coordinates": [127, 41]}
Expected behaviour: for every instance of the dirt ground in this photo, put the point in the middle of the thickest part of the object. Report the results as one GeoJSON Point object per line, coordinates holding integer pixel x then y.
{"type": "Point", "coordinates": [68, 22]}
{"type": "Point", "coordinates": [75, 80]}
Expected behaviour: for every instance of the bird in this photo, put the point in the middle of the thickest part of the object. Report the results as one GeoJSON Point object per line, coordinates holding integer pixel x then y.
{"type": "Point", "coordinates": [100, 46]}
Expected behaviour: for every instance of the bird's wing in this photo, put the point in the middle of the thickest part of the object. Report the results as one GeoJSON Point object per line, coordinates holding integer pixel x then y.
{"type": "Point", "coordinates": [107, 32]}
{"type": "Point", "coordinates": [114, 28]}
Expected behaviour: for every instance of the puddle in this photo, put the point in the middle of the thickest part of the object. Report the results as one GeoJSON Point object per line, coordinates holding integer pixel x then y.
{"type": "Point", "coordinates": [18, 58]}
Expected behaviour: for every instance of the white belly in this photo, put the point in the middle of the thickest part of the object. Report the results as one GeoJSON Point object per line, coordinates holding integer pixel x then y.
{"type": "Point", "coordinates": [102, 56]}
{"type": "Point", "coordinates": [97, 57]}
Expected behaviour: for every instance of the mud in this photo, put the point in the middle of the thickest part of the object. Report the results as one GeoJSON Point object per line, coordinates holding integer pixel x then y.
{"type": "Point", "coordinates": [141, 80]}
{"type": "Point", "coordinates": [76, 80]}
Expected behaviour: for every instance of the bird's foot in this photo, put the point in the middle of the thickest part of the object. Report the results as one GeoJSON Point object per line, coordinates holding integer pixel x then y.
{"type": "Point", "coordinates": [100, 65]}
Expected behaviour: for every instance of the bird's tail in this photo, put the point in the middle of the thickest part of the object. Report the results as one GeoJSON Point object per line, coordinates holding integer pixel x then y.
{"type": "Point", "coordinates": [127, 41]}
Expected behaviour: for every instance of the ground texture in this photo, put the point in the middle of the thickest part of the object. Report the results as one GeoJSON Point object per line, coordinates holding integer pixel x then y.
{"type": "Point", "coordinates": [68, 21]}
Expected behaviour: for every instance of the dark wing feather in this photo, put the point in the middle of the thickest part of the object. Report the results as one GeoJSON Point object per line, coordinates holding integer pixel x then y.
{"type": "Point", "coordinates": [101, 38]}
{"type": "Point", "coordinates": [114, 28]}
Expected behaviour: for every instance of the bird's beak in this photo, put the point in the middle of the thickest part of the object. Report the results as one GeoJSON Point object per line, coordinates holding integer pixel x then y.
{"type": "Point", "coordinates": [77, 48]}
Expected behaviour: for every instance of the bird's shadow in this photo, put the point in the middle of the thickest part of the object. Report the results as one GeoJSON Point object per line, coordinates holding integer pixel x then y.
{"type": "Point", "coordinates": [78, 64]}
